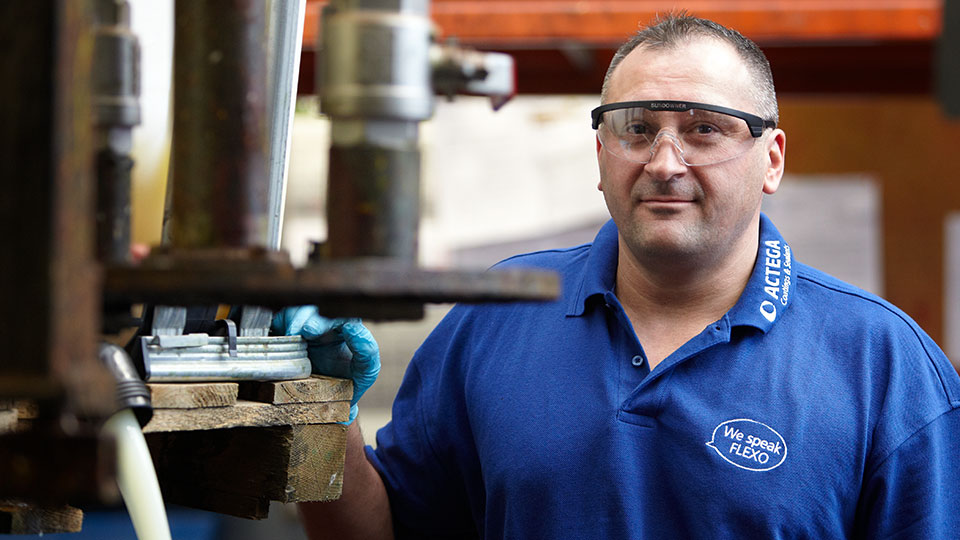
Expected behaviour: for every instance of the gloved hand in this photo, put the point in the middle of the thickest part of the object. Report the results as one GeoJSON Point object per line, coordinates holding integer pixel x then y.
{"type": "Point", "coordinates": [336, 347]}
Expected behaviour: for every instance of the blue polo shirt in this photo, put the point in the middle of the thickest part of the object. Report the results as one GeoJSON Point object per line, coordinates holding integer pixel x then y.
{"type": "Point", "coordinates": [812, 409]}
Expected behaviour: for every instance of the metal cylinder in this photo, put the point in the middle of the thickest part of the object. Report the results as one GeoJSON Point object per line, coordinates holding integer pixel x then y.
{"type": "Point", "coordinates": [116, 67]}
{"type": "Point", "coordinates": [115, 84]}
{"type": "Point", "coordinates": [373, 196]}
{"type": "Point", "coordinates": [219, 176]}
{"type": "Point", "coordinates": [285, 39]}
{"type": "Point", "coordinates": [375, 85]}
{"type": "Point", "coordinates": [113, 205]}
{"type": "Point", "coordinates": [375, 64]}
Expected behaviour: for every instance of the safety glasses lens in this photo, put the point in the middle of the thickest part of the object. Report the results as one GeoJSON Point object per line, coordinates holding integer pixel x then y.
{"type": "Point", "coordinates": [701, 137]}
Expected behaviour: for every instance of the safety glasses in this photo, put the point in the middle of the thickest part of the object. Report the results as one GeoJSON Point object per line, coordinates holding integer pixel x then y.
{"type": "Point", "coordinates": [703, 134]}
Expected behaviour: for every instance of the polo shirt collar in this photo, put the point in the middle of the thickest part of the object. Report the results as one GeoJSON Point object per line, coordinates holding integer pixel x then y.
{"type": "Point", "coordinates": [600, 271]}
{"type": "Point", "coordinates": [772, 284]}
{"type": "Point", "coordinates": [769, 290]}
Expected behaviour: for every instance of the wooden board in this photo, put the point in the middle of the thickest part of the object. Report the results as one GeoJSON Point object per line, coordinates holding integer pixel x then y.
{"type": "Point", "coordinates": [248, 414]}
{"type": "Point", "coordinates": [192, 395]}
{"type": "Point", "coordinates": [8, 420]}
{"type": "Point", "coordinates": [215, 449]}
{"type": "Point", "coordinates": [317, 388]}
{"type": "Point", "coordinates": [18, 517]}
{"type": "Point", "coordinates": [26, 409]}
{"type": "Point", "coordinates": [238, 471]}
{"type": "Point", "coordinates": [47, 467]}
{"type": "Point", "coordinates": [315, 470]}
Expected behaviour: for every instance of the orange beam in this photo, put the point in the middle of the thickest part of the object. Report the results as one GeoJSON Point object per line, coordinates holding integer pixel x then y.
{"type": "Point", "coordinates": [525, 23]}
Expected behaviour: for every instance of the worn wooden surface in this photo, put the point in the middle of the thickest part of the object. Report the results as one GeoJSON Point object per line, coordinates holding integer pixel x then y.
{"type": "Point", "coordinates": [315, 389]}
{"type": "Point", "coordinates": [8, 420]}
{"type": "Point", "coordinates": [238, 471]}
{"type": "Point", "coordinates": [17, 517]}
{"type": "Point", "coordinates": [315, 470]}
{"type": "Point", "coordinates": [234, 458]}
{"type": "Point", "coordinates": [192, 396]}
{"type": "Point", "coordinates": [26, 409]}
{"type": "Point", "coordinates": [248, 414]}
{"type": "Point", "coordinates": [49, 467]}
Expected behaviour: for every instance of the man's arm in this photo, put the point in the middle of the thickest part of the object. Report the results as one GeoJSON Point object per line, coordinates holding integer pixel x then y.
{"type": "Point", "coordinates": [343, 348]}
{"type": "Point", "coordinates": [362, 511]}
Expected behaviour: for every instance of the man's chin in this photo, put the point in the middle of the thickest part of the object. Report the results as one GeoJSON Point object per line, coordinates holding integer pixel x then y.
{"type": "Point", "coordinates": [670, 241]}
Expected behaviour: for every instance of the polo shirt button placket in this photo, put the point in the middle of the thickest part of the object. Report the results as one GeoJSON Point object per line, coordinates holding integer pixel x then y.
{"type": "Point", "coordinates": [637, 361]}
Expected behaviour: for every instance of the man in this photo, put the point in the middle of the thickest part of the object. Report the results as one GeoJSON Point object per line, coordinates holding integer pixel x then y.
{"type": "Point", "coordinates": [694, 380]}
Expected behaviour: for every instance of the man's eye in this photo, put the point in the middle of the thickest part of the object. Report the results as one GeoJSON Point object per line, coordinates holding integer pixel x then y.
{"type": "Point", "coordinates": [636, 129]}
{"type": "Point", "coordinates": [705, 129]}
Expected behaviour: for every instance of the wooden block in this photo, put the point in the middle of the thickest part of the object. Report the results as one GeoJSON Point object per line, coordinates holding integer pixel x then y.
{"type": "Point", "coordinates": [315, 472]}
{"type": "Point", "coordinates": [8, 420]}
{"type": "Point", "coordinates": [192, 395]}
{"type": "Point", "coordinates": [238, 471]}
{"type": "Point", "coordinates": [18, 517]}
{"type": "Point", "coordinates": [26, 409]}
{"type": "Point", "coordinates": [211, 500]}
{"type": "Point", "coordinates": [48, 468]}
{"type": "Point", "coordinates": [248, 414]}
{"type": "Point", "coordinates": [317, 388]}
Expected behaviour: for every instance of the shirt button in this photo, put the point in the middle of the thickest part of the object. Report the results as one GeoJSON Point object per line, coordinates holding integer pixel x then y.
{"type": "Point", "coordinates": [637, 360]}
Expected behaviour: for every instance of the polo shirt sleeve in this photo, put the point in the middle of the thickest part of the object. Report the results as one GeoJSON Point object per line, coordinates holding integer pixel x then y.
{"type": "Point", "coordinates": [424, 454]}
{"type": "Point", "coordinates": [915, 492]}
{"type": "Point", "coordinates": [911, 486]}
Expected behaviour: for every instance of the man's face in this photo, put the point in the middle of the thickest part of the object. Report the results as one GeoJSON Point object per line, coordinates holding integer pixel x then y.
{"type": "Point", "coordinates": [666, 209]}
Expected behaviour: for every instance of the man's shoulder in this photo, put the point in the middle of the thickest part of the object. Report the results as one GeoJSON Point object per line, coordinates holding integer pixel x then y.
{"type": "Point", "coordinates": [875, 325]}
{"type": "Point", "coordinates": [829, 293]}
{"type": "Point", "coordinates": [876, 347]}
{"type": "Point", "coordinates": [561, 259]}
{"type": "Point", "coordinates": [568, 263]}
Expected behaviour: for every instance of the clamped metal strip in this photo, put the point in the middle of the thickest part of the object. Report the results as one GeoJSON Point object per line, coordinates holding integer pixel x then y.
{"type": "Point", "coordinates": [231, 336]}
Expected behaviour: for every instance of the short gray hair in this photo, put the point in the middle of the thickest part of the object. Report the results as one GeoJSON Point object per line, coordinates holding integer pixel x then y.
{"type": "Point", "coordinates": [676, 29]}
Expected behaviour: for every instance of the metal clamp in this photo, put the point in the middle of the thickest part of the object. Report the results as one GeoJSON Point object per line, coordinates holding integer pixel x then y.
{"type": "Point", "coordinates": [231, 336]}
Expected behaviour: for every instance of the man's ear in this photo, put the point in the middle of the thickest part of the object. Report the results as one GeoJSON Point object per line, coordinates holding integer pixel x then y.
{"type": "Point", "coordinates": [776, 156]}
{"type": "Point", "coordinates": [599, 147]}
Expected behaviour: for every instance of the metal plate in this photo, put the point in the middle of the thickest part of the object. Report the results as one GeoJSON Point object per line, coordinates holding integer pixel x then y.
{"type": "Point", "coordinates": [370, 288]}
{"type": "Point", "coordinates": [200, 357]}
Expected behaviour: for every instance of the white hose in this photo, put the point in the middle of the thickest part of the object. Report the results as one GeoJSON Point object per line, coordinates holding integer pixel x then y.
{"type": "Point", "coordinates": [137, 478]}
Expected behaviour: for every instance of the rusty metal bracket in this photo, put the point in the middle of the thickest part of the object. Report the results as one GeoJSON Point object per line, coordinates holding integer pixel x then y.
{"type": "Point", "coordinates": [372, 288]}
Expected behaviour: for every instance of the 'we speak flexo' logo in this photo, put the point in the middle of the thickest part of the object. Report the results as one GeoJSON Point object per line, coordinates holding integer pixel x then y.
{"type": "Point", "coordinates": [749, 444]}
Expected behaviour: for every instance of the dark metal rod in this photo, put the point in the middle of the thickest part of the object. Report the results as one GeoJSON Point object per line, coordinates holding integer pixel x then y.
{"type": "Point", "coordinates": [116, 110]}
{"type": "Point", "coordinates": [113, 206]}
{"type": "Point", "coordinates": [219, 191]}
{"type": "Point", "coordinates": [373, 202]}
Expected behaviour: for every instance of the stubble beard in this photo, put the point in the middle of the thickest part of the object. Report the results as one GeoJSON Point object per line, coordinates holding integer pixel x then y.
{"type": "Point", "coordinates": [666, 244]}
{"type": "Point", "coordinates": [668, 236]}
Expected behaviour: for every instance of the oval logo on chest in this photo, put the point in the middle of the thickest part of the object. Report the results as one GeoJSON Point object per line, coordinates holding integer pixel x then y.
{"type": "Point", "coordinates": [749, 444]}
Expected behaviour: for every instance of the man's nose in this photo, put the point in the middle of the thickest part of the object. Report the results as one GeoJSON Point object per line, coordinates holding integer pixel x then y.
{"type": "Point", "coordinates": [666, 156]}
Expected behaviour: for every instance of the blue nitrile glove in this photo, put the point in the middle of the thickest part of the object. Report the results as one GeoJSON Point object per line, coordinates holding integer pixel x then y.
{"type": "Point", "coordinates": [336, 347]}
